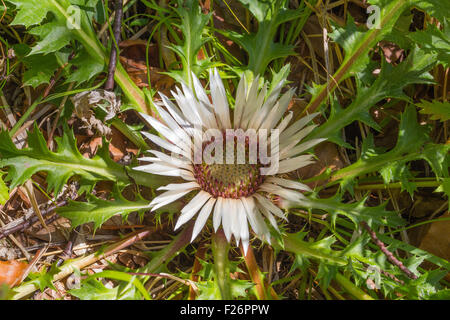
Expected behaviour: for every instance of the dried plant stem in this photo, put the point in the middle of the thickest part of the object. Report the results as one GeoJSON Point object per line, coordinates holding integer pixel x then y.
{"type": "Point", "coordinates": [28, 288]}
{"type": "Point", "coordinates": [4, 232]}
{"type": "Point", "coordinates": [109, 85]}
{"type": "Point", "coordinates": [392, 259]}
{"type": "Point", "coordinates": [67, 253]}
{"type": "Point", "coordinates": [255, 275]}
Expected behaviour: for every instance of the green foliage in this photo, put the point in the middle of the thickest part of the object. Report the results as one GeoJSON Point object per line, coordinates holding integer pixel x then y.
{"type": "Point", "coordinates": [436, 8]}
{"type": "Point", "coordinates": [86, 68]}
{"type": "Point", "coordinates": [433, 40]}
{"type": "Point", "coordinates": [44, 278]}
{"type": "Point", "coordinates": [341, 251]}
{"type": "Point", "coordinates": [68, 21]}
{"type": "Point", "coordinates": [4, 191]}
{"type": "Point", "coordinates": [260, 46]}
{"type": "Point", "coordinates": [66, 162]}
{"type": "Point", "coordinates": [412, 144]}
{"type": "Point", "coordinates": [357, 212]}
{"type": "Point", "coordinates": [192, 24]}
{"type": "Point", "coordinates": [389, 84]}
{"type": "Point", "coordinates": [58, 31]}
{"type": "Point", "coordinates": [436, 109]}
{"type": "Point", "coordinates": [209, 288]}
{"type": "Point", "coordinates": [348, 38]}
{"type": "Point", "coordinates": [95, 290]}
{"type": "Point", "coordinates": [98, 211]}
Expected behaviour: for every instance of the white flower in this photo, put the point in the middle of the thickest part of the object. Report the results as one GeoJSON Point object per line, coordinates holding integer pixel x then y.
{"type": "Point", "coordinates": [239, 193]}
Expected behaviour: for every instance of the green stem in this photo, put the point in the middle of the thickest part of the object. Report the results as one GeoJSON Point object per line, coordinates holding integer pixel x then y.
{"type": "Point", "coordinates": [351, 288]}
{"type": "Point", "coordinates": [297, 246]}
{"type": "Point", "coordinates": [130, 134]}
{"type": "Point", "coordinates": [89, 40]}
{"type": "Point", "coordinates": [170, 251]}
{"type": "Point", "coordinates": [220, 249]}
{"type": "Point", "coordinates": [25, 116]}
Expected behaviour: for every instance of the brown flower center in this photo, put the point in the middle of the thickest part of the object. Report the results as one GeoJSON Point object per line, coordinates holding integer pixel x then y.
{"type": "Point", "coordinates": [229, 180]}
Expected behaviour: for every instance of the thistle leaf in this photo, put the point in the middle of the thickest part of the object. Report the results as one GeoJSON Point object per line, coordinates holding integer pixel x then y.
{"type": "Point", "coordinates": [87, 68]}
{"type": "Point", "coordinates": [98, 211]}
{"type": "Point", "coordinates": [436, 109]}
{"type": "Point", "coordinates": [433, 40]}
{"type": "Point", "coordinates": [389, 84]}
{"type": "Point", "coordinates": [260, 46]}
{"type": "Point", "coordinates": [412, 144]}
{"type": "Point", "coordinates": [66, 162]}
{"type": "Point", "coordinates": [193, 23]}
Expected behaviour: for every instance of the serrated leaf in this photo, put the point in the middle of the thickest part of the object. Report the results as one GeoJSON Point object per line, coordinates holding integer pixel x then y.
{"type": "Point", "coordinates": [357, 212]}
{"type": "Point", "coordinates": [294, 243]}
{"type": "Point", "coordinates": [53, 35]}
{"type": "Point", "coordinates": [39, 68]}
{"type": "Point", "coordinates": [66, 162]}
{"type": "Point", "coordinates": [434, 40]}
{"type": "Point", "coordinates": [31, 12]}
{"type": "Point", "coordinates": [411, 145]}
{"type": "Point", "coordinates": [44, 278]}
{"type": "Point", "coordinates": [348, 38]}
{"type": "Point", "coordinates": [259, 9]}
{"type": "Point", "coordinates": [193, 23]}
{"type": "Point", "coordinates": [260, 46]}
{"type": "Point", "coordinates": [437, 155]}
{"type": "Point", "coordinates": [208, 291]}
{"type": "Point", "coordinates": [438, 110]}
{"type": "Point", "coordinates": [325, 274]}
{"type": "Point", "coordinates": [437, 8]}
{"type": "Point", "coordinates": [389, 13]}
{"type": "Point", "coordinates": [397, 171]}
{"type": "Point", "coordinates": [445, 187]}
{"type": "Point", "coordinates": [98, 211]}
{"type": "Point", "coordinates": [300, 262]}
{"type": "Point", "coordinates": [86, 68]}
{"type": "Point", "coordinates": [239, 288]}
{"type": "Point", "coordinates": [389, 84]}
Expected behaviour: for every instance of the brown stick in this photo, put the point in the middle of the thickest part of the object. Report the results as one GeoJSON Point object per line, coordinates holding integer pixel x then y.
{"type": "Point", "coordinates": [109, 85]}
{"type": "Point", "coordinates": [27, 223]}
{"type": "Point", "coordinates": [67, 253]}
{"type": "Point", "coordinates": [392, 259]}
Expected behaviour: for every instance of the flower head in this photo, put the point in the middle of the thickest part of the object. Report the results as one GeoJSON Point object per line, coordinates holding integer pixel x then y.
{"type": "Point", "coordinates": [224, 159]}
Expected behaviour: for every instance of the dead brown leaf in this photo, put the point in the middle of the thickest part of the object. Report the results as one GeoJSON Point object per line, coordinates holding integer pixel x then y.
{"type": "Point", "coordinates": [11, 272]}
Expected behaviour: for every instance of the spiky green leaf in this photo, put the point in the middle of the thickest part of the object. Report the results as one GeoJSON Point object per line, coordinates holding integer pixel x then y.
{"type": "Point", "coordinates": [436, 109]}
{"type": "Point", "coordinates": [98, 211]}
